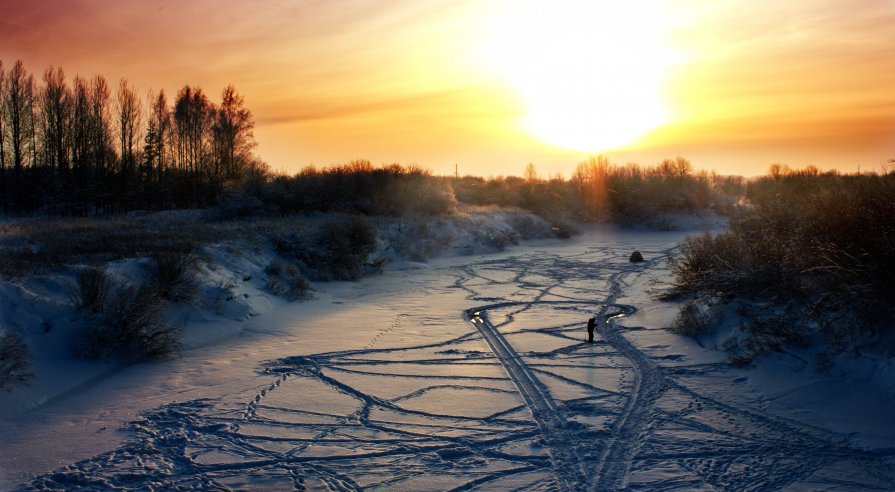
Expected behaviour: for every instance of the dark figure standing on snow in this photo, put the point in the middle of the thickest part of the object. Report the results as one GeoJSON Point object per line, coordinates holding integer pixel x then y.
{"type": "Point", "coordinates": [591, 324]}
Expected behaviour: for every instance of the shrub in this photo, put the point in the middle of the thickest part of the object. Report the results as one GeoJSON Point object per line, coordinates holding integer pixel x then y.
{"type": "Point", "coordinates": [692, 321]}
{"type": "Point", "coordinates": [361, 188]}
{"type": "Point", "coordinates": [238, 204]}
{"type": "Point", "coordinates": [175, 276]}
{"type": "Point", "coordinates": [131, 325]}
{"type": "Point", "coordinates": [14, 360]}
{"type": "Point", "coordinates": [762, 334]}
{"type": "Point", "coordinates": [495, 238]}
{"type": "Point", "coordinates": [740, 355]}
{"type": "Point", "coordinates": [564, 228]}
{"type": "Point", "coordinates": [31, 246]}
{"type": "Point", "coordinates": [337, 249]}
{"type": "Point", "coordinates": [90, 289]}
{"type": "Point", "coordinates": [821, 247]}
{"type": "Point", "coordinates": [415, 239]}
{"type": "Point", "coordinates": [528, 225]}
{"type": "Point", "coordinates": [287, 280]}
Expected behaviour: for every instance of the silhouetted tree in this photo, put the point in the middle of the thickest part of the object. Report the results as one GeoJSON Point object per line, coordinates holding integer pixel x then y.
{"type": "Point", "coordinates": [591, 178]}
{"type": "Point", "coordinates": [679, 168]}
{"type": "Point", "coordinates": [80, 140]}
{"type": "Point", "coordinates": [56, 113]}
{"type": "Point", "coordinates": [75, 148]}
{"type": "Point", "coordinates": [156, 148]}
{"type": "Point", "coordinates": [233, 135]}
{"type": "Point", "coordinates": [19, 112]}
{"type": "Point", "coordinates": [531, 174]}
{"type": "Point", "coordinates": [100, 140]}
{"type": "Point", "coordinates": [3, 195]}
{"type": "Point", "coordinates": [128, 111]}
{"type": "Point", "coordinates": [193, 114]}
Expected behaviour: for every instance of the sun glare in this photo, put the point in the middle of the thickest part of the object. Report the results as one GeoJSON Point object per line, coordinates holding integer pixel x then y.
{"type": "Point", "coordinates": [590, 73]}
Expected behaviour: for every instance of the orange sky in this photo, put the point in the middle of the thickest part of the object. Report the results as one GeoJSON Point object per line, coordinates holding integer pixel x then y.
{"type": "Point", "coordinates": [491, 85]}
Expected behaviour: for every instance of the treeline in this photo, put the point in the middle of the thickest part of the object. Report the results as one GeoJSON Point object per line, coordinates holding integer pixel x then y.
{"type": "Point", "coordinates": [601, 191]}
{"type": "Point", "coordinates": [358, 187]}
{"type": "Point", "coordinates": [598, 191]}
{"type": "Point", "coordinates": [814, 252]}
{"type": "Point", "coordinates": [81, 146]}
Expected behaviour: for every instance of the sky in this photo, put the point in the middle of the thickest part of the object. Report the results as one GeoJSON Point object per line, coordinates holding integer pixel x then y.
{"type": "Point", "coordinates": [487, 86]}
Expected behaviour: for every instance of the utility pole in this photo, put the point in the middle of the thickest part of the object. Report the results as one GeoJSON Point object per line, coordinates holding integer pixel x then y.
{"type": "Point", "coordinates": [456, 172]}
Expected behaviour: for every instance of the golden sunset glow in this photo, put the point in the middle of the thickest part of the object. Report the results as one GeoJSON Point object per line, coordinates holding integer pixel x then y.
{"type": "Point", "coordinates": [590, 74]}
{"type": "Point", "coordinates": [490, 85]}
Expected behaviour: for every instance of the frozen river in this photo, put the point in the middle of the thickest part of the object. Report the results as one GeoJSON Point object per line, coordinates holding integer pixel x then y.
{"type": "Point", "coordinates": [470, 373]}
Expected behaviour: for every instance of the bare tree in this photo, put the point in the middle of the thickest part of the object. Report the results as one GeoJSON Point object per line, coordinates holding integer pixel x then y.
{"type": "Point", "coordinates": [128, 111]}
{"type": "Point", "coordinates": [678, 168]}
{"type": "Point", "coordinates": [2, 136]}
{"type": "Point", "coordinates": [193, 114]}
{"type": "Point", "coordinates": [99, 124]}
{"type": "Point", "coordinates": [56, 113]}
{"type": "Point", "coordinates": [158, 133]}
{"type": "Point", "coordinates": [82, 143]}
{"type": "Point", "coordinates": [531, 174]}
{"type": "Point", "coordinates": [591, 177]}
{"type": "Point", "coordinates": [19, 103]}
{"type": "Point", "coordinates": [80, 132]}
{"type": "Point", "coordinates": [233, 133]}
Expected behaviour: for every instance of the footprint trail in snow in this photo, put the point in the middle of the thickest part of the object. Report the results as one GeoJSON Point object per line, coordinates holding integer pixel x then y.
{"type": "Point", "coordinates": [518, 401]}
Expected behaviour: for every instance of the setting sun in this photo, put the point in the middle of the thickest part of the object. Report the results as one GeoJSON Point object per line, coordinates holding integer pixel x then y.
{"type": "Point", "coordinates": [489, 85]}
{"type": "Point", "coordinates": [590, 74]}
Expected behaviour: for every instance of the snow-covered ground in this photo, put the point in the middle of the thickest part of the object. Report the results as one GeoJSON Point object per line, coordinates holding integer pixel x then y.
{"type": "Point", "coordinates": [469, 372]}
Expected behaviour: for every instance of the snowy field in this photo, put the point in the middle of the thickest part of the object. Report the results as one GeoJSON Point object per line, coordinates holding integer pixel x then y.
{"type": "Point", "coordinates": [467, 373]}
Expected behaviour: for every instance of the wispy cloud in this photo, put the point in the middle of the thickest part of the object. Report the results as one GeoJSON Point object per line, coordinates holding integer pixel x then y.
{"type": "Point", "coordinates": [367, 70]}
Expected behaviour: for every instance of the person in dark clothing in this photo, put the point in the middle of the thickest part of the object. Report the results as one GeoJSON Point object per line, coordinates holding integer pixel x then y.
{"type": "Point", "coordinates": [591, 324]}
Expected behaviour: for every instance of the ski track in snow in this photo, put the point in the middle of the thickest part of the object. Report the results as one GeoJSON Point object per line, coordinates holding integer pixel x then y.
{"type": "Point", "coordinates": [489, 409]}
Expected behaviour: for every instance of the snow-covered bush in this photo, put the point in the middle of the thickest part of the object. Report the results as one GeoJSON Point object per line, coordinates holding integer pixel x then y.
{"type": "Point", "coordinates": [821, 248]}
{"type": "Point", "coordinates": [34, 246]}
{"type": "Point", "coordinates": [287, 280]}
{"type": "Point", "coordinates": [564, 228]}
{"type": "Point", "coordinates": [336, 248]}
{"type": "Point", "coordinates": [175, 276]}
{"type": "Point", "coordinates": [131, 324]}
{"type": "Point", "coordinates": [90, 289]}
{"type": "Point", "coordinates": [419, 238]}
{"type": "Point", "coordinates": [14, 360]}
{"type": "Point", "coordinates": [528, 225]}
{"type": "Point", "coordinates": [497, 238]}
{"type": "Point", "coordinates": [238, 204]}
{"type": "Point", "coordinates": [343, 245]}
{"type": "Point", "coordinates": [762, 334]}
{"type": "Point", "coordinates": [692, 321]}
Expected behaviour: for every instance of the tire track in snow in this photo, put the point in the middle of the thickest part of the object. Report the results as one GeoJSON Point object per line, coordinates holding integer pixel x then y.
{"type": "Point", "coordinates": [612, 468]}
{"type": "Point", "coordinates": [567, 465]}
{"type": "Point", "coordinates": [615, 462]}
{"type": "Point", "coordinates": [572, 471]}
